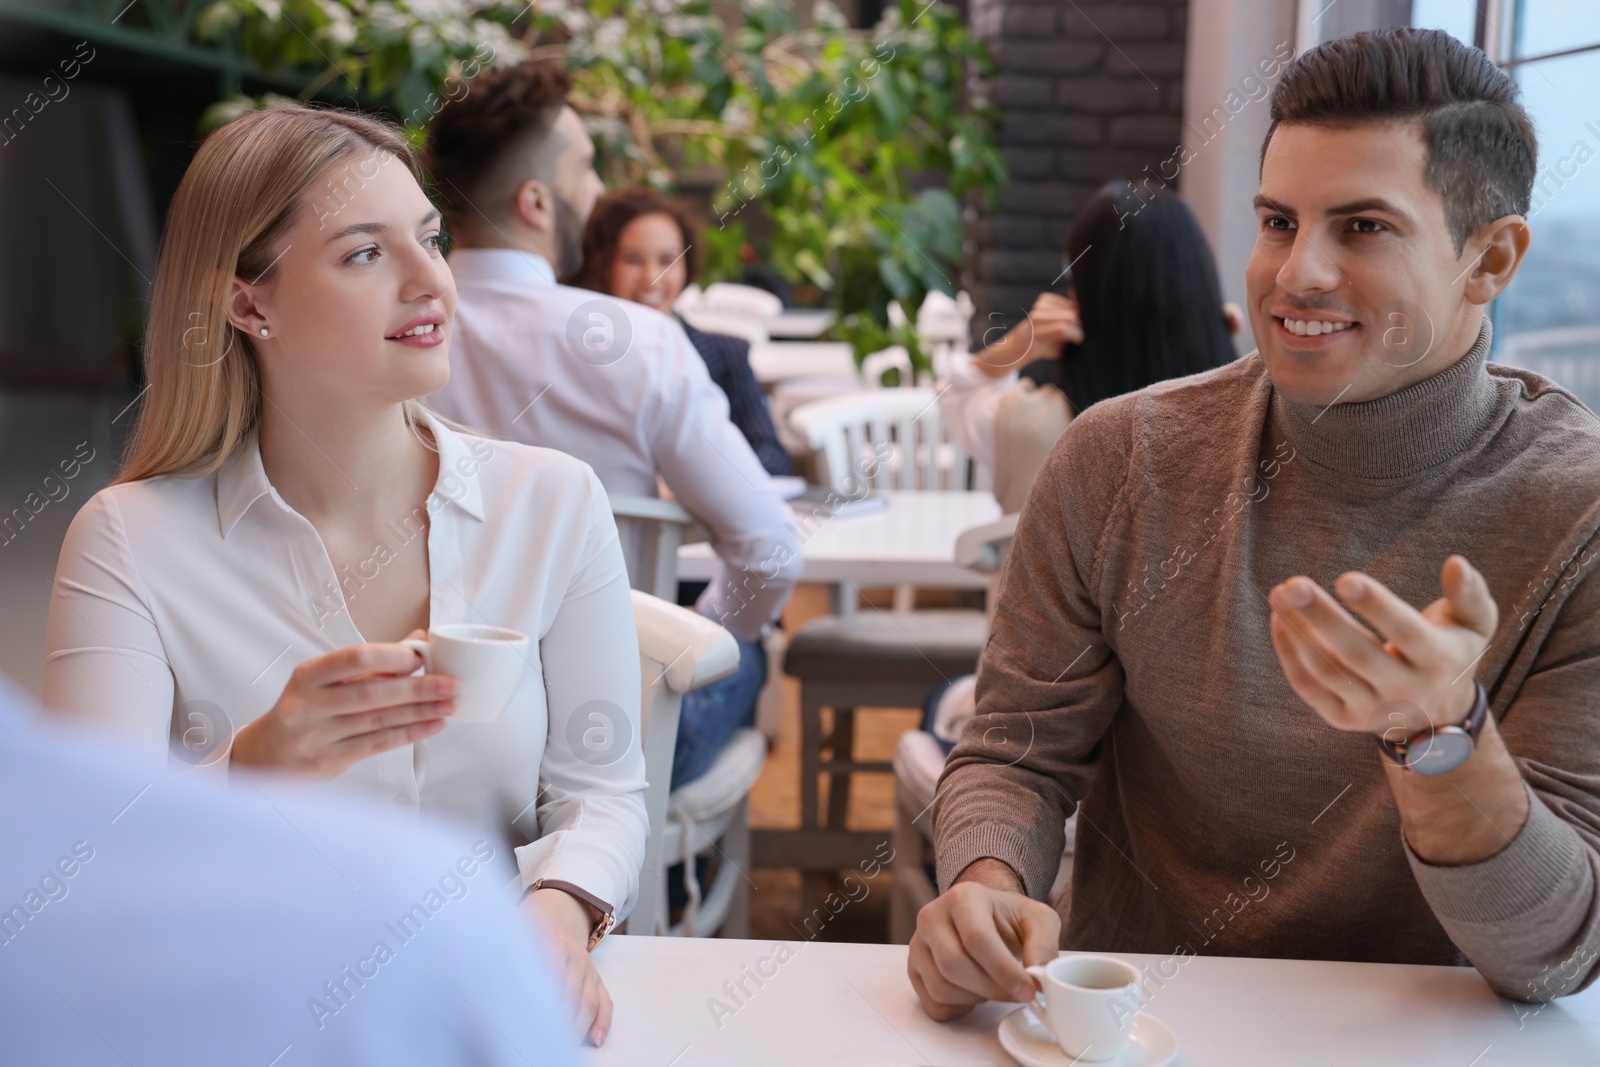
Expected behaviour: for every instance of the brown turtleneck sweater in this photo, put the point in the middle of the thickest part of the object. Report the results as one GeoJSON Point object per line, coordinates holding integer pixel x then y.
{"type": "Point", "coordinates": [1130, 668]}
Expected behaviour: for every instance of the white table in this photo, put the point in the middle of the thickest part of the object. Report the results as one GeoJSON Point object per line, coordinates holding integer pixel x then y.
{"type": "Point", "coordinates": [800, 323]}
{"type": "Point", "coordinates": [775, 361]}
{"type": "Point", "coordinates": [844, 1005]}
{"type": "Point", "coordinates": [910, 542]}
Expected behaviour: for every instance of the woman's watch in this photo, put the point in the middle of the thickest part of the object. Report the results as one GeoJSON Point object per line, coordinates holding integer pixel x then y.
{"type": "Point", "coordinates": [1440, 749]}
{"type": "Point", "coordinates": [608, 914]}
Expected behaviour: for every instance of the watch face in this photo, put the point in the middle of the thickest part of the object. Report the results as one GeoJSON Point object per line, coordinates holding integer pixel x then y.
{"type": "Point", "coordinates": [1448, 748]}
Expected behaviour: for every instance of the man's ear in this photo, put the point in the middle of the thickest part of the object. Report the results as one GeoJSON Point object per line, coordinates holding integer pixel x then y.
{"type": "Point", "coordinates": [1501, 245]}
{"type": "Point", "coordinates": [534, 205]}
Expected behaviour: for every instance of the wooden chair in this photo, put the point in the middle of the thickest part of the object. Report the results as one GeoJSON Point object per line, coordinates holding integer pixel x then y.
{"type": "Point", "coordinates": [878, 439]}
{"type": "Point", "coordinates": [919, 759]}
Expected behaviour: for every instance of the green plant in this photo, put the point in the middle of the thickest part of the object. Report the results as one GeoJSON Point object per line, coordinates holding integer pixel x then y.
{"type": "Point", "coordinates": [402, 53]}
{"type": "Point", "coordinates": [840, 157]}
{"type": "Point", "coordinates": [853, 148]}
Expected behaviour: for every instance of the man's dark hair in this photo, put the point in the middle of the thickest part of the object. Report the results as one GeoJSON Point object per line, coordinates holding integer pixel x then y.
{"type": "Point", "coordinates": [484, 132]}
{"type": "Point", "coordinates": [610, 217]}
{"type": "Point", "coordinates": [1482, 152]}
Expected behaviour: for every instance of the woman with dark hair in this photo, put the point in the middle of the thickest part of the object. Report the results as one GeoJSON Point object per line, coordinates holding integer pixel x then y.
{"type": "Point", "coordinates": [1146, 307]}
{"type": "Point", "coordinates": [640, 246]}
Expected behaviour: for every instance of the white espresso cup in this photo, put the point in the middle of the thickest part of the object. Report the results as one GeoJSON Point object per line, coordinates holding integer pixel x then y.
{"type": "Point", "coordinates": [1088, 1003]}
{"type": "Point", "coordinates": [487, 662]}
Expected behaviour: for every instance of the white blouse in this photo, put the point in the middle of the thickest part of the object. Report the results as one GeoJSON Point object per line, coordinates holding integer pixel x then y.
{"type": "Point", "coordinates": [969, 401]}
{"type": "Point", "coordinates": [182, 605]}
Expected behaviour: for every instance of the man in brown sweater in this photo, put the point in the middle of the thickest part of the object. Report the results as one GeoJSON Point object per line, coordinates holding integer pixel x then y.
{"type": "Point", "coordinates": [1247, 614]}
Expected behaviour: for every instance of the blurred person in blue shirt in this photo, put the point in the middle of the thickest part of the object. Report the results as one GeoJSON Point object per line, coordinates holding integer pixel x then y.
{"type": "Point", "coordinates": [152, 919]}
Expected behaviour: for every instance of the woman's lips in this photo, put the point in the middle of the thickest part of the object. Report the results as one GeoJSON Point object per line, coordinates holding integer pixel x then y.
{"type": "Point", "coordinates": [432, 335]}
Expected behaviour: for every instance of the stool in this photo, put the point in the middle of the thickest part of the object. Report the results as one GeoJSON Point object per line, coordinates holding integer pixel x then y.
{"type": "Point", "coordinates": [873, 659]}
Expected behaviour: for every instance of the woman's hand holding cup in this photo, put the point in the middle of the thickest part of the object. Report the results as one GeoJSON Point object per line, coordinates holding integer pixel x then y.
{"type": "Point", "coordinates": [343, 707]}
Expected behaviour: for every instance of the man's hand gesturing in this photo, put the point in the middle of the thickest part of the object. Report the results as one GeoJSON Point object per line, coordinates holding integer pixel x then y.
{"type": "Point", "coordinates": [973, 942]}
{"type": "Point", "coordinates": [1414, 673]}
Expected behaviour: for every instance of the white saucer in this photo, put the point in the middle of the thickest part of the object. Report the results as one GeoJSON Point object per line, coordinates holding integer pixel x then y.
{"type": "Point", "coordinates": [1150, 1045]}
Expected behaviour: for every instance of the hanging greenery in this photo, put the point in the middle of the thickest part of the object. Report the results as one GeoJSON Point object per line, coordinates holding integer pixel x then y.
{"type": "Point", "coordinates": [854, 148]}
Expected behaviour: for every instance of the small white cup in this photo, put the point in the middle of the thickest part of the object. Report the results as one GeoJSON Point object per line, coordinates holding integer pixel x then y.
{"type": "Point", "coordinates": [487, 661]}
{"type": "Point", "coordinates": [1088, 1003]}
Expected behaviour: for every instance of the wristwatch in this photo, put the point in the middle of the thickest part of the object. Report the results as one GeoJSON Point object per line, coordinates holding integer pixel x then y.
{"type": "Point", "coordinates": [608, 914]}
{"type": "Point", "coordinates": [1440, 749]}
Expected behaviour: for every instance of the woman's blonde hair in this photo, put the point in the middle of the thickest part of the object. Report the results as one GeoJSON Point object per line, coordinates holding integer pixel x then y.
{"type": "Point", "coordinates": [243, 191]}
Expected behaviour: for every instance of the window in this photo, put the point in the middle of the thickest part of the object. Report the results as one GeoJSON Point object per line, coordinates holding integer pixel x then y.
{"type": "Point", "coordinates": [1549, 318]}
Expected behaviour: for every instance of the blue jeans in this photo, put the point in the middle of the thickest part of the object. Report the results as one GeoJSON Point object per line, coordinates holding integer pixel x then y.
{"type": "Point", "coordinates": [930, 712]}
{"type": "Point", "coordinates": [711, 714]}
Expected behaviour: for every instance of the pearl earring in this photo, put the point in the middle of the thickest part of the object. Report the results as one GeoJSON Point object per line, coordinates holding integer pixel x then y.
{"type": "Point", "coordinates": [263, 331]}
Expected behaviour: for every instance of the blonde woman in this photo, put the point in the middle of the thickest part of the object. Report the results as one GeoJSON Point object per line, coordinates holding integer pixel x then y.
{"type": "Point", "coordinates": [288, 513]}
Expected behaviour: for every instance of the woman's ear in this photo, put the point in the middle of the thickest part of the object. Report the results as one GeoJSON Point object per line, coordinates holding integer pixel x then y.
{"type": "Point", "coordinates": [1501, 244]}
{"type": "Point", "coordinates": [244, 313]}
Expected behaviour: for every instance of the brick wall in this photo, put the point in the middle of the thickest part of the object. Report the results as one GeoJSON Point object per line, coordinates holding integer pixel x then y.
{"type": "Point", "coordinates": [1088, 90]}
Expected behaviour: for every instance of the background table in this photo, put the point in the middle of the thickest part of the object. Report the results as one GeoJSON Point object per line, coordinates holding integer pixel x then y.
{"type": "Point", "coordinates": [800, 322]}
{"type": "Point", "coordinates": [910, 542]}
{"type": "Point", "coordinates": [844, 1005]}
{"type": "Point", "coordinates": [775, 361]}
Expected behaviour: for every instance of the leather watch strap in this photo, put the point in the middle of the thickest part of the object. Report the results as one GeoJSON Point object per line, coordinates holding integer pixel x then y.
{"type": "Point", "coordinates": [608, 914]}
{"type": "Point", "coordinates": [1401, 752]}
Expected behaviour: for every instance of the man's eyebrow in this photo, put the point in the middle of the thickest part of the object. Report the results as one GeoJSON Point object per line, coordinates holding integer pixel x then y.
{"type": "Point", "coordinates": [377, 227]}
{"type": "Point", "coordinates": [1266, 203]}
{"type": "Point", "coordinates": [1371, 203]}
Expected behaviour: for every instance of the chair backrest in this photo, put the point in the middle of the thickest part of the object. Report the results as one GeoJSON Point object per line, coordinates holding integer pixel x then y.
{"type": "Point", "coordinates": [679, 651]}
{"type": "Point", "coordinates": [751, 330]}
{"type": "Point", "coordinates": [943, 329]}
{"type": "Point", "coordinates": [688, 299]}
{"type": "Point", "coordinates": [984, 549]}
{"type": "Point", "coordinates": [1569, 356]}
{"type": "Point", "coordinates": [740, 302]}
{"type": "Point", "coordinates": [651, 531]}
{"type": "Point", "coordinates": [880, 439]}
{"type": "Point", "coordinates": [894, 357]}
{"type": "Point", "coordinates": [943, 318]}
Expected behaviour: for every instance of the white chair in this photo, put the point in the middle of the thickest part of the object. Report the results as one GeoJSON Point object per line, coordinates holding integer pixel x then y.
{"type": "Point", "coordinates": [885, 439]}
{"type": "Point", "coordinates": [746, 329]}
{"type": "Point", "coordinates": [651, 530]}
{"type": "Point", "coordinates": [919, 760]}
{"type": "Point", "coordinates": [680, 651]}
{"type": "Point", "coordinates": [943, 328]}
{"type": "Point", "coordinates": [1569, 356]}
{"type": "Point", "coordinates": [688, 299]}
{"type": "Point", "coordinates": [740, 302]}
{"type": "Point", "coordinates": [881, 439]}
{"type": "Point", "coordinates": [875, 366]}
{"type": "Point", "coordinates": [713, 807]}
